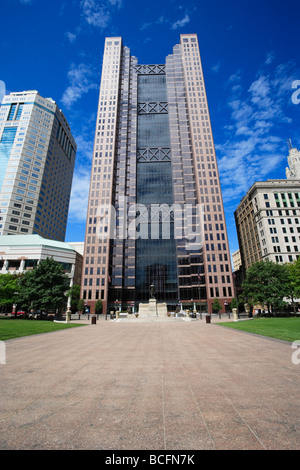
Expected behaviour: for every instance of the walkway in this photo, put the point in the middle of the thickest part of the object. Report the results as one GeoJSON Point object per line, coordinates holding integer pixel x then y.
{"type": "Point", "coordinates": [167, 385]}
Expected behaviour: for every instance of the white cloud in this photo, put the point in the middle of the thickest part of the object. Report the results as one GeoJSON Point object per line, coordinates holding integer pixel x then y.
{"type": "Point", "coordinates": [70, 36]}
{"type": "Point", "coordinates": [80, 78]}
{"type": "Point", "coordinates": [181, 23]}
{"type": "Point", "coordinates": [117, 3]}
{"type": "Point", "coordinates": [79, 194]}
{"type": "Point", "coordinates": [145, 26]}
{"type": "Point", "coordinates": [215, 68]}
{"type": "Point", "coordinates": [269, 58]}
{"type": "Point", "coordinates": [84, 137]}
{"type": "Point", "coordinates": [260, 89]}
{"type": "Point", "coordinates": [254, 150]}
{"type": "Point", "coordinates": [85, 144]}
{"type": "Point", "coordinates": [99, 14]}
{"type": "Point", "coordinates": [161, 20]}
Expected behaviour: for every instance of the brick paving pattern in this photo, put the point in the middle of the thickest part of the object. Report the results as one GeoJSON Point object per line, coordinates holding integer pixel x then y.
{"type": "Point", "coordinates": [142, 385]}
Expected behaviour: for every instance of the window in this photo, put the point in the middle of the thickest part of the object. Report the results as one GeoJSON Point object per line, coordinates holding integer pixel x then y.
{"type": "Point", "coordinates": [12, 111]}
{"type": "Point", "coordinates": [15, 111]}
{"type": "Point", "coordinates": [19, 112]}
{"type": "Point", "coordinates": [6, 143]}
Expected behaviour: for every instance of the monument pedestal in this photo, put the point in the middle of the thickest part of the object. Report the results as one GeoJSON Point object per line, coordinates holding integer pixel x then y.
{"type": "Point", "coordinates": [153, 309]}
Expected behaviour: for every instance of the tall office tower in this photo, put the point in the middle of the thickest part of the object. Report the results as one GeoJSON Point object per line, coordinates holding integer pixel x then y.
{"type": "Point", "coordinates": [37, 157]}
{"type": "Point", "coordinates": [155, 211]}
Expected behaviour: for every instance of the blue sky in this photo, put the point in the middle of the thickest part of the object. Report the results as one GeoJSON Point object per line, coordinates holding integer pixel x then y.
{"type": "Point", "coordinates": [250, 56]}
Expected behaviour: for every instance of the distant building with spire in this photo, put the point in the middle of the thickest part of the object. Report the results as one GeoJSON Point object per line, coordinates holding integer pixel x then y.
{"type": "Point", "coordinates": [293, 170]}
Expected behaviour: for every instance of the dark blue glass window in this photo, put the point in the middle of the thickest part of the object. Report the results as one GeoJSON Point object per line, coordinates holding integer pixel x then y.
{"type": "Point", "coordinates": [6, 143]}
{"type": "Point", "coordinates": [12, 112]}
{"type": "Point", "coordinates": [155, 258]}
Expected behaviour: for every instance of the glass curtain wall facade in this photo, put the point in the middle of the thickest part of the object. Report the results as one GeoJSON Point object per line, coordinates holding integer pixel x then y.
{"type": "Point", "coordinates": [155, 256]}
{"type": "Point", "coordinates": [155, 212]}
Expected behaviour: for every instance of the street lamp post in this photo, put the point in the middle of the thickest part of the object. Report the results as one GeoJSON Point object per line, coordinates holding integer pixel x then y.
{"type": "Point", "coordinates": [199, 295]}
{"type": "Point", "coordinates": [194, 308]}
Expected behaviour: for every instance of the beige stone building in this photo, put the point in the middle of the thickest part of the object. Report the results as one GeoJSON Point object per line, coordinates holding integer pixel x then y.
{"type": "Point", "coordinates": [236, 260]}
{"type": "Point", "coordinates": [268, 218]}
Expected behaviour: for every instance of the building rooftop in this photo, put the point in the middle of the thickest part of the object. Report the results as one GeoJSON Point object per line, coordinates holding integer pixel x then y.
{"type": "Point", "coordinates": [33, 240]}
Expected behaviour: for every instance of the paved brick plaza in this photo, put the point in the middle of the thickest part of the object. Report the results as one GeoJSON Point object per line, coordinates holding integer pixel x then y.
{"type": "Point", "coordinates": [165, 385]}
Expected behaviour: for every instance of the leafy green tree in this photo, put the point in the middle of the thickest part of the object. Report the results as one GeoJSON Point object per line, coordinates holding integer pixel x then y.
{"type": "Point", "coordinates": [266, 283]}
{"type": "Point", "coordinates": [294, 281]}
{"type": "Point", "coordinates": [80, 305]}
{"type": "Point", "coordinates": [44, 288]}
{"type": "Point", "coordinates": [216, 305]}
{"type": "Point", "coordinates": [74, 294]}
{"type": "Point", "coordinates": [98, 306]}
{"type": "Point", "coordinates": [234, 303]}
{"type": "Point", "coordinates": [8, 289]}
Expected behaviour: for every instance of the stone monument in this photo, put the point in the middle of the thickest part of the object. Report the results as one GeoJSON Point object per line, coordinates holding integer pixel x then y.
{"type": "Point", "coordinates": [153, 309]}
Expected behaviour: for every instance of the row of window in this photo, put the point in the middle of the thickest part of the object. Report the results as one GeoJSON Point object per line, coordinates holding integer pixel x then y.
{"type": "Point", "coordinates": [282, 221]}
{"type": "Point", "coordinates": [215, 280]}
{"type": "Point", "coordinates": [279, 258]}
{"type": "Point", "coordinates": [215, 292]}
{"type": "Point", "coordinates": [87, 295]}
{"type": "Point", "coordinates": [277, 248]}
{"type": "Point", "coordinates": [90, 281]}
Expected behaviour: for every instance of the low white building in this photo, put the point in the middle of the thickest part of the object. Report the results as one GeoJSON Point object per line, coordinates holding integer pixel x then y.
{"type": "Point", "coordinates": [19, 253]}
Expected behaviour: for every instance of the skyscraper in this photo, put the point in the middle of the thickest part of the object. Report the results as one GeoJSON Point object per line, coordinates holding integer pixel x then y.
{"type": "Point", "coordinates": [155, 211]}
{"type": "Point", "coordinates": [37, 157]}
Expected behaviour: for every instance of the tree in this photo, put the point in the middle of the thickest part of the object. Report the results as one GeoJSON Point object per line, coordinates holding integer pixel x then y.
{"type": "Point", "coordinates": [44, 287]}
{"type": "Point", "coordinates": [216, 305]}
{"type": "Point", "coordinates": [8, 289]}
{"type": "Point", "coordinates": [80, 305]}
{"type": "Point", "coordinates": [234, 303]}
{"type": "Point", "coordinates": [266, 283]}
{"type": "Point", "coordinates": [98, 306]}
{"type": "Point", "coordinates": [74, 294]}
{"type": "Point", "coordinates": [294, 281]}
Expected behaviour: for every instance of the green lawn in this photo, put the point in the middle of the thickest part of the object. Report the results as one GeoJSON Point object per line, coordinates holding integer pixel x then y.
{"type": "Point", "coordinates": [287, 329]}
{"type": "Point", "coordinates": [10, 329]}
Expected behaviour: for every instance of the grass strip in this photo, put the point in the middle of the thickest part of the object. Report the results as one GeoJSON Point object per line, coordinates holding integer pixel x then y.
{"type": "Point", "coordinates": [287, 329]}
{"type": "Point", "coordinates": [15, 328]}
